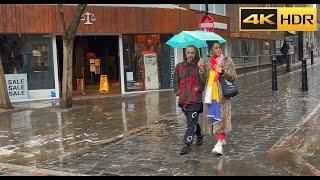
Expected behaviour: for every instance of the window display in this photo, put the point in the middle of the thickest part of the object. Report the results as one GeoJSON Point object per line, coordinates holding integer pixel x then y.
{"type": "Point", "coordinates": [29, 55]}
{"type": "Point", "coordinates": [136, 49]}
{"type": "Point", "coordinates": [40, 57]}
{"type": "Point", "coordinates": [147, 62]}
{"type": "Point", "coordinates": [151, 71]}
{"type": "Point", "coordinates": [28, 63]}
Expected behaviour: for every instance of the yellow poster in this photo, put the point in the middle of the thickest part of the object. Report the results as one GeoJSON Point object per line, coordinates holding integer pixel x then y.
{"type": "Point", "coordinates": [97, 62]}
{"type": "Point", "coordinates": [104, 85]}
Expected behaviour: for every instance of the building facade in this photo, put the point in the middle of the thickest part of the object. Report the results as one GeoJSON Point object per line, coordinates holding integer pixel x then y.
{"type": "Point", "coordinates": [124, 42]}
{"type": "Point", "coordinates": [251, 43]}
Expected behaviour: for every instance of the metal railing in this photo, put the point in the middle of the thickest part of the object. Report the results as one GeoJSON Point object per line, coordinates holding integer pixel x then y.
{"type": "Point", "coordinates": [255, 62]}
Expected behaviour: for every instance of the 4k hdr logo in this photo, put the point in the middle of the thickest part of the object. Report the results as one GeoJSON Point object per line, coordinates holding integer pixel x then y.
{"type": "Point", "coordinates": [278, 19]}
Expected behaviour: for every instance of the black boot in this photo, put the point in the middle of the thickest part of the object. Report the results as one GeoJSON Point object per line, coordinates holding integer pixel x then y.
{"type": "Point", "coordinates": [199, 139]}
{"type": "Point", "coordinates": [185, 150]}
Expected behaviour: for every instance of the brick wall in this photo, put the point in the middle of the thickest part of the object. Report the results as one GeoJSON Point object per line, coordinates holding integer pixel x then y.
{"type": "Point", "coordinates": [233, 13]}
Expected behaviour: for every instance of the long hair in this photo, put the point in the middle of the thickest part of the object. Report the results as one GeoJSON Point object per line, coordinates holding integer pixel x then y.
{"type": "Point", "coordinates": [197, 57]}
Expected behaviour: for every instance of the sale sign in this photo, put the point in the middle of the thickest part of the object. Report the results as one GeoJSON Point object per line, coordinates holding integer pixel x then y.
{"type": "Point", "coordinates": [17, 85]}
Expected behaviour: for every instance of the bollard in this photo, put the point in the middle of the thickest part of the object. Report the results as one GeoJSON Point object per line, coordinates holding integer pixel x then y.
{"type": "Point", "coordinates": [288, 64]}
{"type": "Point", "coordinates": [274, 74]}
{"type": "Point", "coordinates": [311, 54]}
{"type": "Point", "coordinates": [304, 75]}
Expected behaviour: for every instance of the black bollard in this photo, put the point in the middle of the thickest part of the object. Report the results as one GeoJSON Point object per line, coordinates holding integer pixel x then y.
{"type": "Point", "coordinates": [311, 54]}
{"type": "Point", "coordinates": [274, 74]}
{"type": "Point", "coordinates": [288, 64]}
{"type": "Point", "coordinates": [304, 75]}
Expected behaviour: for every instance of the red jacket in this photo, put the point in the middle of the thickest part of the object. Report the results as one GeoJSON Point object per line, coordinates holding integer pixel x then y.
{"type": "Point", "coordinates": [187, 83]}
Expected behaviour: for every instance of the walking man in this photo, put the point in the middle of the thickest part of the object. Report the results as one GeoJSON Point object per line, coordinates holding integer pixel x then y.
{"type": "Point", "coordinates": [189, 86]}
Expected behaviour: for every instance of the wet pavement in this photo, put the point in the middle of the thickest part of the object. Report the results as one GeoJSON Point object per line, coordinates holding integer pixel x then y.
{"type": "Point", "coordinates": [48, 135]}
{"type": "Point", "coordinates": [141, 133]}
{"type": "Point", "coordinates": [297, 151]}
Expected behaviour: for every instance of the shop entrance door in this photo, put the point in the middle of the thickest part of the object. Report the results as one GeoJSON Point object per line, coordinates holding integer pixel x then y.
{"type": "Point", "coordinates": [94, 55]}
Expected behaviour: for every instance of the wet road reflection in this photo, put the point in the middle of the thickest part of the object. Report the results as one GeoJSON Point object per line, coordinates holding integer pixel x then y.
{"type": "Point", "coordinates": [42, 135]}
{"type": "Point", "coordinates": [46, 135]}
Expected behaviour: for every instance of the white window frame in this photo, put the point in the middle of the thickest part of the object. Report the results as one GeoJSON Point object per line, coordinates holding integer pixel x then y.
{"type": "Point", "coordinates": [224, 9]}
{"type": "Point", "coordinates": [202, 8]}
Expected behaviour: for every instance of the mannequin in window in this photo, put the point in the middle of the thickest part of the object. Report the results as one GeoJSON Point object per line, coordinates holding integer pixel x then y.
{"type": "Point", "coordinates": [149, 47]}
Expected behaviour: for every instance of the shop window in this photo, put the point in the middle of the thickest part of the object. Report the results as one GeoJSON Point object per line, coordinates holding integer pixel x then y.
{"type": "Point", "coordinates": [266, 47]}
{"type": "Point", "coordinates": [279, 44]}
{"type": "Point", "coordinates": [31, 55]}
{"type": "Point", "coordinates": [236, 48]}
{"type": "Point", "coordinates": [144, 60]}
{"type": "Point", "coordinates": [213, 8]}
{"type": "Point", "coordinates": [220, 9]}
{"type": "Point", "coordinates": [198, 7]}
{"type": "Point", "coordinates": [40, 59]}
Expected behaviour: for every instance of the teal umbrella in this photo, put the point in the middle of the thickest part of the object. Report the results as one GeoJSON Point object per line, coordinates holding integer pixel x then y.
{"type": "Point", "coordinates": [196, 38]}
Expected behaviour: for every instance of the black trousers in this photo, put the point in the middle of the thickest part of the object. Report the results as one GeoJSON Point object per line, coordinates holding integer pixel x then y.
{"type": "Point", "coordinates": [191, 111]}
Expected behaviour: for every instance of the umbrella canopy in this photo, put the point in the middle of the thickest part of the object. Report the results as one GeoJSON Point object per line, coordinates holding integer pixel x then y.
{"type": "Point", "coordinates": [196, 38]}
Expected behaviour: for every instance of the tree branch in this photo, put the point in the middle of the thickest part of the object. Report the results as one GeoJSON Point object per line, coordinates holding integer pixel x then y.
{"type": "Point", "coordinates": [62, 22]}
{"type": "Point", "coordinates": [72, 30]}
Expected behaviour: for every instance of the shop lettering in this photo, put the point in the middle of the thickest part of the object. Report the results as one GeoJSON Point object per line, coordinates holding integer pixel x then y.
{"type": "Point", "coordinates": [20, 81]}
{"type": "Point", "coordinates": [16, 93]}
{"type": "Point", "coordinates": [16, 87]}
{"type": "Point", "coordinates": [172, 66]}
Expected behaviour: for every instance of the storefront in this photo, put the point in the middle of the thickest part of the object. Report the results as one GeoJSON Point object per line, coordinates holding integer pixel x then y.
{"type": "Point", "coordinates": [94, 55]}
{"type": "Point", "coordinates": [148, 62]}
{"type": "Point", "coordinates": [30, 66]}
{"type": "Point", "coordinates": [123, 42]}
{"type": "Point", "coordinates": [252, 47]}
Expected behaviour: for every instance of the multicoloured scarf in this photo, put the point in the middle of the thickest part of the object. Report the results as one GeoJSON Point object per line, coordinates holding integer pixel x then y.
{"type": "Point", "coordinates": [212, 92]}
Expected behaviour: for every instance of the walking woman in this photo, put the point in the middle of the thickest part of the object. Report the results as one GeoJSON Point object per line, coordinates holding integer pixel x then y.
{"type": "Point", "coordinates": [219, 107]}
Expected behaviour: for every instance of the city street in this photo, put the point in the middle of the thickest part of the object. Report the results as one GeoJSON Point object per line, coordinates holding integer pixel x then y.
{"type": "Point", "coordinates": [141, 134]}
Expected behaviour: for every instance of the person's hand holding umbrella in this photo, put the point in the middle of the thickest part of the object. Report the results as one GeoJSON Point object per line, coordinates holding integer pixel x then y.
{"type": "Point", "coordinates": [201, 65]}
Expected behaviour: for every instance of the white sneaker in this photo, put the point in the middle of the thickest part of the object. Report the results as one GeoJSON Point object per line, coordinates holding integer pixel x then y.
{"type": "Point", "coordinates": [224, 142]}
{"type": "Point", "coordinates": [218, 149]}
